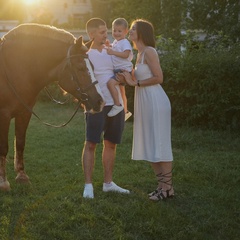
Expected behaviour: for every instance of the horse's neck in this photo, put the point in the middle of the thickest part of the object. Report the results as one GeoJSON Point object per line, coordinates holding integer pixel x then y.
{"type": "Point", "coordinates": [35, 61]}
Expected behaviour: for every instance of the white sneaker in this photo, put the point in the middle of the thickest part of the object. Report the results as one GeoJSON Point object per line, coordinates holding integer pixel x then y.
{"type": "Point", "coordinates": [88, 191]}
{"type": "Point", "coordinates": [127, 115]}
{"type": "Point", "coordinates": [115, 110]}
{"type": "Point", "coordinates": [112, 187]}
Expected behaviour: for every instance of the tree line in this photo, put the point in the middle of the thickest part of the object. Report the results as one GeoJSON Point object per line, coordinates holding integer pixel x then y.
{"type": "Point", "coordinates": [169, 17]}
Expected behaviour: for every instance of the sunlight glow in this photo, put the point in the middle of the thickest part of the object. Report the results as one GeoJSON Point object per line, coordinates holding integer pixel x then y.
{"type": "Point", "coordinates": [29, 2]}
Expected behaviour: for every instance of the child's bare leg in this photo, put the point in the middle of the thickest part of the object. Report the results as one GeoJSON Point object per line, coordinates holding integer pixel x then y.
{"type": "Point", "coordinates": [123, 93]}
{"type": "Point", "coordinates": [112, 88]}
{"type": "Point", "coordinates": [122, 90]}
{"type": "Point", "coordinates": [117, 107]}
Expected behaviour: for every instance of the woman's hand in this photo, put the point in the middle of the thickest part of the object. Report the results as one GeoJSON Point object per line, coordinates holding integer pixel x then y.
{"type": "Point", "coordinates": [128, 78]}
{"type": "Point", "coordinates": [120, 78]}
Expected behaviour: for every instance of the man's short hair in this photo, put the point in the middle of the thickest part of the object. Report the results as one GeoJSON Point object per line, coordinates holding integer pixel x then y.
{"type": "Point", "coordinates": [94, 23]}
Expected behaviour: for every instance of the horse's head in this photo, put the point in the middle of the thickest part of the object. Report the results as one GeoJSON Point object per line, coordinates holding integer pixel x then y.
{"type": "Point", "coordinates": [77, 78]}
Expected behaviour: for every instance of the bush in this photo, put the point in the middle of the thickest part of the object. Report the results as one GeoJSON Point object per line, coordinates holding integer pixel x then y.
{"type": "Point", "coordinates": [203, 85]}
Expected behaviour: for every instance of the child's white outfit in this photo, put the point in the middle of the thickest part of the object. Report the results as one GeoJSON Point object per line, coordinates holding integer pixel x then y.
{"type": "Point", "coordinates": [121, 64]}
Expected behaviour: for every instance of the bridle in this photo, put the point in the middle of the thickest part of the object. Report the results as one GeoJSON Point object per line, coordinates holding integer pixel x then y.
{"type": "Point", "coordinates": [72, 70]}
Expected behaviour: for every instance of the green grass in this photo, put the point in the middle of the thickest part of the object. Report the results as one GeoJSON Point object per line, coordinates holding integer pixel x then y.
{"type": "Point", "coordinates": [206, 181]}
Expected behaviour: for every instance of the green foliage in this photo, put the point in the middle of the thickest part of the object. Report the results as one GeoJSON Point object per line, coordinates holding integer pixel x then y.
{"type": "Point", "coordinates": [164, 15]}
{"type": "Point", "coordinates": [213, 16]}
{"type": "Point", "coordinates": [203, 84]}
{"type": "Point", "coordinates": [167, 16]}
{"type": "Point", "coordinates": [51, 207]}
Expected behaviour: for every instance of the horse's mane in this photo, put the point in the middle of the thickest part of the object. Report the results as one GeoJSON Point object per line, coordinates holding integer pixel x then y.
{"type": "Point", "coordinates": [40, 30]}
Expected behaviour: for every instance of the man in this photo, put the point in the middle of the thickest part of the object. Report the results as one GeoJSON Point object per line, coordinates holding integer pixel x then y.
{"type": "Point", "coordinates": [99, 123]}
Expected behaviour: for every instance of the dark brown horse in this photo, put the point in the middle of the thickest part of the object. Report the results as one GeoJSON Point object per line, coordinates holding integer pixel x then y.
{"type": "Point", "coordinates": [32, 56]}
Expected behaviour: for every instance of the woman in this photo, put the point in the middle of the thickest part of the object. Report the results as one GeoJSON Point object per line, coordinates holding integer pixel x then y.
{"type": "Point", "coordinates": [152, 110]}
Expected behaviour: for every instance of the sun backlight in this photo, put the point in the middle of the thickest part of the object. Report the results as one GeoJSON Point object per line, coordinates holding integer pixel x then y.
{"type": "Point", "coordinates": [29, 2]}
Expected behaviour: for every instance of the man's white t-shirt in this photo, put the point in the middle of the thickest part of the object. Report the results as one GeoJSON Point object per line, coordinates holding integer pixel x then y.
{"type": "Point", "coordinates": [103, 71]}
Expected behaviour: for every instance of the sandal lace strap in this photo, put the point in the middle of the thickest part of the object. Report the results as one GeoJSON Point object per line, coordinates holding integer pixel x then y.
{"type": "Point", "coordinates": [165, 178]}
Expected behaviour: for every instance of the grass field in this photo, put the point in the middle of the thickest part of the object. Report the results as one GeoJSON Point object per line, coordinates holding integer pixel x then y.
{"type": "Point", "coordinates": [206, 181]}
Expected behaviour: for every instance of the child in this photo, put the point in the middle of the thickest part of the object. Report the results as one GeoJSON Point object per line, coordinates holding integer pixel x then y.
{"type": "Point", "coordinates": [121, 51]}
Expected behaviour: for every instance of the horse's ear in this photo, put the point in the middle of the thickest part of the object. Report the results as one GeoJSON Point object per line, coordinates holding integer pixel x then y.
{"type": "Point", "coordinates": [89, 43]}
{"type": "Point", "coordinates": [79, 41]}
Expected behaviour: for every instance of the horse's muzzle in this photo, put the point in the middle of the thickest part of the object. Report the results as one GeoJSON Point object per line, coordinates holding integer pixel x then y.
{"type": "Point", "coordinates": [97, 108]}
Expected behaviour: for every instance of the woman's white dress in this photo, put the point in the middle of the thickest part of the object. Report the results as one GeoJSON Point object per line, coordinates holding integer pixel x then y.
{"type": "Point", "coordinates": [152, 120]}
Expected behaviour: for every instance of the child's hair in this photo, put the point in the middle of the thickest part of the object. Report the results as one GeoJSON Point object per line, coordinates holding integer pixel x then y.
{"type": "Point", "coordinates": [94, 23]}
{"type": "Point", "coordinates": [120, 21]}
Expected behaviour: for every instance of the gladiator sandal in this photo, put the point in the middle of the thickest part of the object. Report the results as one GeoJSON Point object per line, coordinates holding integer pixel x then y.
{"type": "Point", "coordinates": [159, 193]}
{"type": "Point", "coordinates": [160, 179]}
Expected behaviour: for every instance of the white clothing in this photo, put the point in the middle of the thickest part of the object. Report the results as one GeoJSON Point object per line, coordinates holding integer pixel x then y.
{"type": "Point", "coordinates": [103, 71]}
{"type": "Point", "coordinates": [152, 120]}
{"type": "Point", "coordinates": [122, 63]}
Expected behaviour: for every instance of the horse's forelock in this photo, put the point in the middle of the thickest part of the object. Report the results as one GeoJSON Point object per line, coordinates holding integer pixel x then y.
{"type": "Point", "coordinates": [40, 30]}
